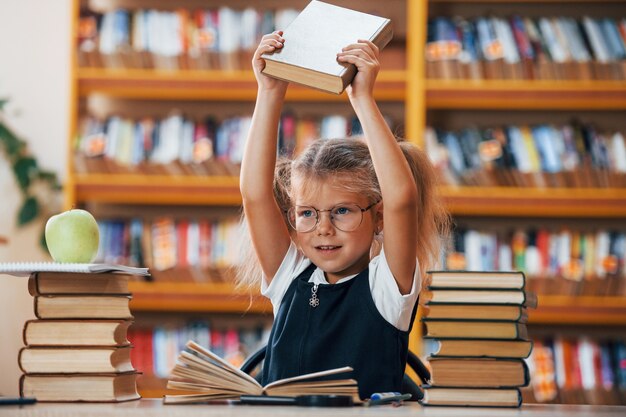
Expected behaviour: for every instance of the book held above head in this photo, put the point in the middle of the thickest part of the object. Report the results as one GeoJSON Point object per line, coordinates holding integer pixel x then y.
{"type": "Point", "coordinates": [313, 39]}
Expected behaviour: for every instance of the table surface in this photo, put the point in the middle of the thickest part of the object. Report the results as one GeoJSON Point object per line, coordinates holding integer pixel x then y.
{"type": "Point", "coordinates": [155, 408]}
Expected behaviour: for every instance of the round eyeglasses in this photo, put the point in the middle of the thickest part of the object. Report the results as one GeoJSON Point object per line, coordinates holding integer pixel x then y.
{"type": "Point", "coordinates": [346, 217]}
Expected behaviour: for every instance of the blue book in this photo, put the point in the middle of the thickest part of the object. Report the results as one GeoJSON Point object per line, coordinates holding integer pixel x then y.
{"type": "Point", "coordinates": [471, 52]}
{"type": "Point", "coordinates": [455, 152]}
{"type": "Point", "coordinates": [544, 142]}
{"type": "Point", "coordinates": [614, 41]}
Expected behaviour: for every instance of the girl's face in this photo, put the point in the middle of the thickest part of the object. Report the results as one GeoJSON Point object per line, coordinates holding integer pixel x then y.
{"type": "Point", "coordinates": [337, 253]}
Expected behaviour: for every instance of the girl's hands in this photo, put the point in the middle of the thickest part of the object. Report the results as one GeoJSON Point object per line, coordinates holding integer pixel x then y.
{"type": "Point", "coordinates": [363, 54]}
{"type": "Point", "coordinates": [269, 43]}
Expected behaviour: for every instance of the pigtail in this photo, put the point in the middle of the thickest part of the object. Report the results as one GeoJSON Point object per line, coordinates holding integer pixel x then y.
{"type": "Point", "coordinates": [433, 222]}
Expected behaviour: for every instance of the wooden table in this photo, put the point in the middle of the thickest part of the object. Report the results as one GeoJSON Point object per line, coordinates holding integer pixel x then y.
{"type": "Point", "coordinates": [155, 408]}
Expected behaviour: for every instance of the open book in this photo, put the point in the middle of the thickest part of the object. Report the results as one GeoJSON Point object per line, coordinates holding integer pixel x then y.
{"type": "Point", "coordinates": [209, 377]}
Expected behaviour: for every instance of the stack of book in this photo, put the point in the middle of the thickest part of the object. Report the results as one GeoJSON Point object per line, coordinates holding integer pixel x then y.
{"type": "Point", "coordinates": [77, 348]}
{"type": "Point", "coordinates": [478, 320]}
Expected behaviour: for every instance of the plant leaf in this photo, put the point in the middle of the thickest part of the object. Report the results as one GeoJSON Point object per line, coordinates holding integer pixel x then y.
{"type": "Point", "coordinates": [28, 212]}
{"type": "Point", "coordinates": [12, 144]}
{"type": "Point", "coordinates": [24, 168]}
{"type": "Point", "coordinates": [3, 102]}
{"type": "Point", "coordinates": [51, 178]}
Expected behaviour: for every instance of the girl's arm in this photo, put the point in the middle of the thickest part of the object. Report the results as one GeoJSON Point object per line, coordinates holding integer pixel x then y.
{"type": "Point", "coordinates": [270, 237]}
{"type": "Point", "coordinates": [394, 175]}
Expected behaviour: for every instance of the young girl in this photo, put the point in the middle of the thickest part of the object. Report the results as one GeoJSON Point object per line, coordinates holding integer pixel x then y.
{"type": "Point", "coordinates": [334, 304]}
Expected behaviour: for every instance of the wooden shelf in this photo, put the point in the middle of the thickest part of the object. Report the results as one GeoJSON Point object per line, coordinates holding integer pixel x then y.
{"type": "Point", "coordinates": [535, 202]}
{"type": "Point", "coordinates": [157, 189]}
{"type": "Point", "coordinates": [210, 85]}
{"type": "Point", "coordinates": [464, 201]}
{"type": "Point", "coordinates": [581, 310]}
{"type": "Point", "coordinates": [527, 95]}
{"type": "Point", "coordinates": [195, 297]}
{"type": "Point", "coordinates": [222, 297]}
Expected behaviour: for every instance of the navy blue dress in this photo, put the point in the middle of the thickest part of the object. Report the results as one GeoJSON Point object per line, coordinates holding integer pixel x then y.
{"type": "Point", "coordinates": [345, 329]}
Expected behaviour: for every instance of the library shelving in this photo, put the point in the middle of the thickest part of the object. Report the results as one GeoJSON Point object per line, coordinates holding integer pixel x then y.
{"type": "Point", "coordinates": [403, 84]}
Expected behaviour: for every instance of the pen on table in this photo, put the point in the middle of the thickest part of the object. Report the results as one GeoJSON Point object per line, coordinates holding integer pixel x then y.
{"type": "Point", "coordinates": [17, 400]}
{"type": "Point", "coordinates": [386, 398]}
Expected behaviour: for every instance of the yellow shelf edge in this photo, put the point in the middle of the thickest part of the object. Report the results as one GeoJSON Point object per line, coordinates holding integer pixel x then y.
{"type": "Point", "coordinates": [530, 192]}
{"type": "Point", "coordinates": [162, 180]}
{"type": "Point", "coordinates": [524, 85]}
{"type": "Point", "coordinates": [86, 73]}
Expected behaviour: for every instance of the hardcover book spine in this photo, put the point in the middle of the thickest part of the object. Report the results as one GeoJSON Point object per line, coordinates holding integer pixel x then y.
{"type": "Point", "coordinates": [380, 39]}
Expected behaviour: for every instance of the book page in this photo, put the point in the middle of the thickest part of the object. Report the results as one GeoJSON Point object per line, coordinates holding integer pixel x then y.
{"type": "Point", "coordinates": [24, 269]}
{"type": "Point", "coordinates": [309, 376]}
{"type": "Point", "coordinates": [210, 374]}
{"type": "Point", "coordinates": [225, 365]}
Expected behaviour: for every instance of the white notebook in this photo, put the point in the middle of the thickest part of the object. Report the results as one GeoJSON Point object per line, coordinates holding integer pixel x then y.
{"type": "Point", "coordinates": [21, 269]}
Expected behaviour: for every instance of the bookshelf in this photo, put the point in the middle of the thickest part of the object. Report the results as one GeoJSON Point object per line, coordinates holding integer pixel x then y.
{"type": "Point", "coordinates": [403, 85]}
{"type": "Point", "coordinates": [192, 297]}
{"type": "Point", "coordinates": [521, 94]}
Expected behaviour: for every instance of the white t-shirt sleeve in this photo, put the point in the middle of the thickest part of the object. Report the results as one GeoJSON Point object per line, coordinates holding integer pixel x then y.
{"type": "Point", "coordinates": [292, 265]}
{"type": "Point", "coordinates": [395, 307]}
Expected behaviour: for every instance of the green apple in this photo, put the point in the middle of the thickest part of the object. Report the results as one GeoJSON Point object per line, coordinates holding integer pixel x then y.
{"type": "Point", "coordinates": [72, 236]}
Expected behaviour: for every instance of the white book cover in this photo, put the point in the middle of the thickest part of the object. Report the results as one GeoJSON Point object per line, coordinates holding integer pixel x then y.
{"type": "Point", "coordinates": [596, 39]}
{"type": "Point", "coordinates": [249, 31]}
{"type": "Point", "coordinates": [505, 36]}
{"type": "Point", "coordinates": [603, 244]}
{"type": "Point", "coordinates": [617, 152]}
{"type": "Point", "coordinates": [561, 36]}
{"type": "Point", "coordinates": [229, 30]}
{"type": "Point", "coordinates": [557, 52]}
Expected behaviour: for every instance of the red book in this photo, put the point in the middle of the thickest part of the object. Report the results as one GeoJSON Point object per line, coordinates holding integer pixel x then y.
{"type": "Point", "coordinates": [147, 352]}
{"type": "Point", "coordinates": [181, 231]}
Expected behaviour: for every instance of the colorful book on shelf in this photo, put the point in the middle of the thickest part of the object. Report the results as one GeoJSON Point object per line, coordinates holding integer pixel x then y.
{"type": "Point", "coordinates": [28, 268]}
{"type": "Point", "coordinates": [461, 329]}
{"type": "Point", "coordinates": [82, 307]}
{"type": "Point", "coordinates": [471, 397]}
{"type": "Point", "coordinates": [48, 283]}
{"type": "Point", "coordinates": [72, 388]}
{"type": "Point", "coordinates": [74, 359]}
{"type": "Point", "coordinates": [200, 370]}
{"type": "Point", "coordinates": [480, 348]}
{"type": "Point", "coordinates": [76, 332]}
{"type": "Point", "coordinates": [313, 39]}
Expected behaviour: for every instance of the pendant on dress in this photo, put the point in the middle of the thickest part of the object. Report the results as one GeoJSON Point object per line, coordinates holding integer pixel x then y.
{"type": "Point", "coordinates": [314, 301]}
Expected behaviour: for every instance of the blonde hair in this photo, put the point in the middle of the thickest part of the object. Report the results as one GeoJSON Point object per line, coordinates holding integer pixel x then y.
{"type": "Point", "coordinates": [323, 160]}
